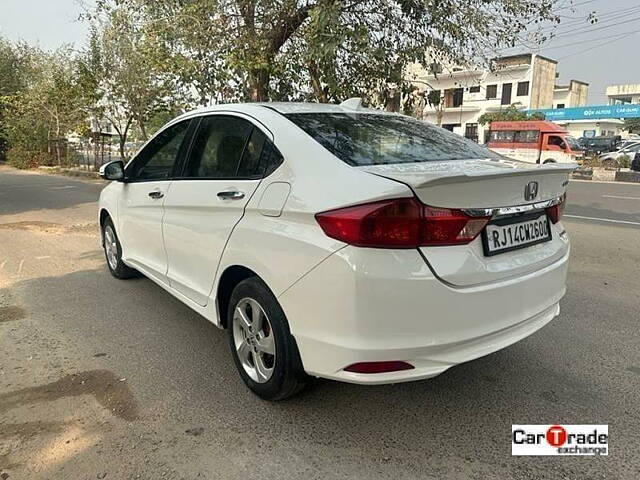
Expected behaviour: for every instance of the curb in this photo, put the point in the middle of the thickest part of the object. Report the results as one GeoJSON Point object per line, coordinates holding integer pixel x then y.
{"type": "Point", "coordinates": [69, 172]}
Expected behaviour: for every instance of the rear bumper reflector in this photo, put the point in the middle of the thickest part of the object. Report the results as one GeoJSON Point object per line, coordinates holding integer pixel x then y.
{"type": "Point", "coordinates": [379, 367]}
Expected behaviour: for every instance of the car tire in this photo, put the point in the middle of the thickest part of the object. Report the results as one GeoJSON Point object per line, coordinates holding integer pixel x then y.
{"type": "Point", "coordinates": [258, 326]}
{"type": "Point", "coordinates": [113, 253]}
{"type": "Point", "coordinates": [549, 160]}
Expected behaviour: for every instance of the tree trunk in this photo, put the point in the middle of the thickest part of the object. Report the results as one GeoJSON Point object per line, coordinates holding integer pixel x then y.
{"type": "Point", "coordinates": [58, 156]}
{"type": "Point", "coordinates": [392, 103]}
{"type": "Point", "coordinates": [122, 141]}
{"type": "Point", "coordinates": [143, 130]}
{"type": "Point", "coordinates": [259, 85]}
{"type": "Point", "coordinates": [316, 85]}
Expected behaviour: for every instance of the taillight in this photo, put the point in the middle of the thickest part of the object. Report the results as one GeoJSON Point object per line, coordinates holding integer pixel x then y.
{"type": "Point", "coordinates": [400, 223]}
{"type": "Point", "coordinates": [445, 226]}
{"type": "Point", "coordinates": [555, 212]}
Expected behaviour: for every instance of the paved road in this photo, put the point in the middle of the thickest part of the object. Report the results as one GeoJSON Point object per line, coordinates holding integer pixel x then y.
{"type": "Point", "coordinates": [101, 378]}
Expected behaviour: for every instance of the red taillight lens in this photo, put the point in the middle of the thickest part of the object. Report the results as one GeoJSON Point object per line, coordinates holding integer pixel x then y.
{"type": "Point", "coordinates": [379, 367]}
{"type": "Point", "coordinates": [400, 223]}
{"type": "Point", "coordinates": [385, 224]}
{"type": "Point", "coordinates": [555, 212]}
{"type": "Point", "coordinates": [444, 226]}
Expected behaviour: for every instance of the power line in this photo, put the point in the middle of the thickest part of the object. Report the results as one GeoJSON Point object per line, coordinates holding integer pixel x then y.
{"type": "Point", "coordinates": [570, 32]}
{"type": "Point", "coordinates": [588, 41]}
{"type": "Point", "coordinates": [576, 5]}
{"type": "Point", "coordinates": [579, 52]}
{"type": "Point", "coordinates": [600, 19]}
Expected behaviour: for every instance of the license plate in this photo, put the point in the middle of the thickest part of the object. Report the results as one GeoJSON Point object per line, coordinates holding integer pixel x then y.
{"type": "Point", "coordinates": [505, 235]}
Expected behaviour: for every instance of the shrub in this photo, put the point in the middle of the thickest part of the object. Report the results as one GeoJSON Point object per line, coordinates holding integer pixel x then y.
{"type": "Point", "coordinates": [624, 161]}
{"type": "Point", "coordinates": [592, 161]}
{"type": "Point", "coordinates": [21, 158]}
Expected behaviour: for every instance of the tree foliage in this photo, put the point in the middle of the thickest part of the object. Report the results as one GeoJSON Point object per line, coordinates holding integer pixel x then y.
{"type": "Point", "coordinates": [509, 114]}
{"type": "Point", "coordinates": [42, 105]}
{"type": "Point", "coordinates": [323, 50]}
{"type": "Point", "coordinates": [147, 60]}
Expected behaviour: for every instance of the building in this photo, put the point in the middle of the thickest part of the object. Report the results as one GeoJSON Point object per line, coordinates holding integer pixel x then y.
{"type": "Point", "coordinates": [606, 127]}
{"type": "Point", "coordinates": [572, 95]}
{"type": "Point", "coordinates": [526, 81]}
{"type": "Point", "coordinates": [623, 101]}
{"type": "Point", "coordinates": [623, 94]}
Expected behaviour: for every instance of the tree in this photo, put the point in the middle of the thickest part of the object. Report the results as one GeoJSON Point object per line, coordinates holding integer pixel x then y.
{"type": "Point", "coordinates": [325, 50]}
{"type": "Point", "coordinates": [120, 64]}
{"type": "Point", "coordinates": [41, 107]}
{"type": "Point", "coordinates": [13, 74]}
{"type": "Point", "coordinates": [509, 114]}
{"type": "Point", "coordinates": [435, 99]}
{"type": "Point", "coordinates": [55, 95]}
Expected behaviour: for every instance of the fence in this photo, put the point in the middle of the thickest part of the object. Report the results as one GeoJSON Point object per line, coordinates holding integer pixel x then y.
{"type": "Point", "coordinates": [91, 154]}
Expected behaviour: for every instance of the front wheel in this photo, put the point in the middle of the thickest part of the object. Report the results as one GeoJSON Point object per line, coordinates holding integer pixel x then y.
{"type": "Point", "coordinates": [263, 349]}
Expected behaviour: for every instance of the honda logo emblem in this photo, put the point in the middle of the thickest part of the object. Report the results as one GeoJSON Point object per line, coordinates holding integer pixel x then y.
{"type": "Point", "coordinates": [531, 191]}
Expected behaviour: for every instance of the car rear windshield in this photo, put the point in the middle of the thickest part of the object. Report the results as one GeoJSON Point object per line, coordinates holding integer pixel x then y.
{"type": "Point", "coordinates": [378, 139]}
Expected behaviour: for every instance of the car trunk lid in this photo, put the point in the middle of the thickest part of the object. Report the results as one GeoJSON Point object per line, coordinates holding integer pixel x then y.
{"type": "Point", "coordinates": [477, 185]}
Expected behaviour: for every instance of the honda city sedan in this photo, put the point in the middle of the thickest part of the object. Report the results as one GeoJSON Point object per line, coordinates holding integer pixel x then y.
{"type": "Point", "coordinates": [339, 242]}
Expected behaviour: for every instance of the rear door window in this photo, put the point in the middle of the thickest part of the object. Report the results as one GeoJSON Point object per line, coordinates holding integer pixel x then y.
{"type": "Point", "coordinates": [217, 147]}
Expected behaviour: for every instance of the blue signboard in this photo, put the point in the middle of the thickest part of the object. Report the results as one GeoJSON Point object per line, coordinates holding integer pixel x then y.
{"type": "Point", "coordinates": [594, 112]}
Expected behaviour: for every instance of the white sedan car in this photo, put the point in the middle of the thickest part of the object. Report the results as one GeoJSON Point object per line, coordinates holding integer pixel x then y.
{"type": "Point", "coordinates": [629, 149]}
{"type": "Point", "coordinates": [339, 242]}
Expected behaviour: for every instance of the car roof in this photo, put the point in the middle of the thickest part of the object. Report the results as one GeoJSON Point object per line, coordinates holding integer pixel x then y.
{"type": "Point", "coordinates": [311, 107]}
{"type": "Point", "coordinates": [285, 108]}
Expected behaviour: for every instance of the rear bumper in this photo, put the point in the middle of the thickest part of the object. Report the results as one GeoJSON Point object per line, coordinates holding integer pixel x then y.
{"type": "Point", "coordinates": [364, 305]}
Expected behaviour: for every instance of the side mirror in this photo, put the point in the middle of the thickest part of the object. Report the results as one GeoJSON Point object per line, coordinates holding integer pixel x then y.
{"type": "Point", "coordinates": [113, 171]}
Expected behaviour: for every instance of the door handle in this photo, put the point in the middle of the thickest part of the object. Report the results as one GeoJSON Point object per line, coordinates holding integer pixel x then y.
{"type": "Point", "coordinates": [231, 195]}
{"type": "Point", "coordinates": [156, 194]}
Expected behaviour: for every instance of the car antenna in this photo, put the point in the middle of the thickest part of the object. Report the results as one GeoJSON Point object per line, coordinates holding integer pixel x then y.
{"type": "Point", "coordinates": [354, 103]}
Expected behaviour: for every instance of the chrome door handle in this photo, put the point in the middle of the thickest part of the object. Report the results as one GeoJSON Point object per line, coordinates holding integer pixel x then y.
{"type": "Point", "coordinates": [156, 194]}
{"type": "Point", "coordinates": [231, 195]}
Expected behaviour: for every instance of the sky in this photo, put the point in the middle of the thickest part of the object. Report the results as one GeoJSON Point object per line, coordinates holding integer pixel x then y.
{"type": "Point", "coordinates": [605, 53]}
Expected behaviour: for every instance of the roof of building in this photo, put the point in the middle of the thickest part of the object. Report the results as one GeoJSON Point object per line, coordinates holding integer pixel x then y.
{"type": "Point", "coordinates": [523, 56]}
{"type": "Point", "coordinates": [626, 89]}
{"type": "Point", "coordinates": [566, 87]}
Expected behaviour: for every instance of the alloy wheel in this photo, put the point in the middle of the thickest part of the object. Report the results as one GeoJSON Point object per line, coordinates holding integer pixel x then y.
{"type": "Point", "coordinates": [254, 340]}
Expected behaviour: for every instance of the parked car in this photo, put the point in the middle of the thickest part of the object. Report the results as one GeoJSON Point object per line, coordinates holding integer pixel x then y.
{"type": "Point", "coordinates": [339, 242]}
{"type": "Point", "coordinates": [598, 145]}
{"type": "Point", "coordinates": [629, 150]}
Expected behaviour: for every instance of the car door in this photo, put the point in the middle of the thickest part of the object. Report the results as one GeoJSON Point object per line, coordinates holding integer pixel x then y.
{"type": "Point", "coordinates": [140, 207]}
{"type": "Point", "coordinates": [208, 200]}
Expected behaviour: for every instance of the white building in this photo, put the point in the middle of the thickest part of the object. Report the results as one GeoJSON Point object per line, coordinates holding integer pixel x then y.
{"type": "Point", "coordinates": [605, 127]}
{"type": "Point", "coordinates": [526, 81]}
{"type": "Point", "coordinates": [623, 94]}
{"type": "Point", "coordinates": [572, 95]}
{"type": "Point", "coordinates": [616, 95]}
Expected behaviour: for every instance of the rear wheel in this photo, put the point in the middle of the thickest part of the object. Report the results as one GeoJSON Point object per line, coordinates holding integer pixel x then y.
{"type": "Point", "coordinates": [549, 160]}
{"type": "Point", "coordinates": [113, 252]}
{"type": "Point", "coordinates": [263, 349]}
